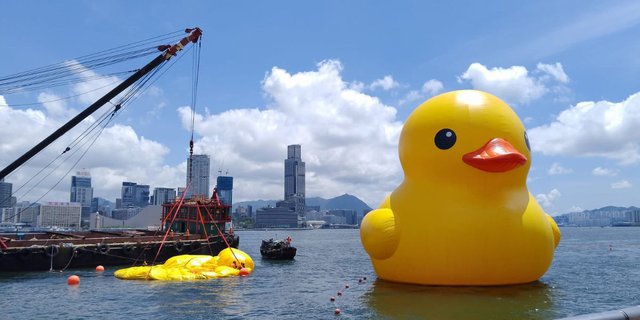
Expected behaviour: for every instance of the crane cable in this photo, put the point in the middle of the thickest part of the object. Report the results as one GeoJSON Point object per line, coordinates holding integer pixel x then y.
{"type": "Point", "coordinates": [133, 93]}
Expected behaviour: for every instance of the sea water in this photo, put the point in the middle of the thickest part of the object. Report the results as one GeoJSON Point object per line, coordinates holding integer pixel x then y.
{"type": "Point", "coordinates": [594, 270]}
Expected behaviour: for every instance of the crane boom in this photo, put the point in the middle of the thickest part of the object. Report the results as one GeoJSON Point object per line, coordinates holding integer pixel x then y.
{"type": "Point", "coordinates": [168, 52]}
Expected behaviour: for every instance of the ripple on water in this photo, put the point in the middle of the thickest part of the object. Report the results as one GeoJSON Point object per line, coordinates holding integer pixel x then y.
{"type": "Point", "coordinates": [594, 270]}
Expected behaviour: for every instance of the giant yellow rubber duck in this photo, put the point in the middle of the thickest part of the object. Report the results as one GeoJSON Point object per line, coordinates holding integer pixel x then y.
{"type": "Point", "coordinates": [187, 267]}
{"type": "Point", "coordinates": [463, 214]}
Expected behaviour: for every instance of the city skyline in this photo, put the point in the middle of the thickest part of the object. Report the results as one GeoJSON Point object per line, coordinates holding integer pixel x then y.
{"type": "Point", "coordinates": [568, 71]}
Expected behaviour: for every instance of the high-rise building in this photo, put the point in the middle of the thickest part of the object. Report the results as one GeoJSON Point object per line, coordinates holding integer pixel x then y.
{"type": "Point", "coordinates": [5, 194]}
{"type": "Point", "coordinates": [294, 178]}
{"type": "Point", "coordinates": [142, 195]}
{"type": "Point", "coordinates": [224, 185]}
{"type": "Point", "coordinates": [8, 215]}
{"type": "Point", "coordinates": [60, 214]}
{"type": "Point", "coordinates": [102, 206]}
{"type": "Point", "coordinates": [180, 192]}
{"type": "Point", "coordinates": [163, 195]}
{"type": "Point", "coordinates": [82, 193]}
{"type": "Point", "coordinates": [27, 213]}
{"type": "Point", "coordinates": [128, 194]}
{"type": "Point", "coordinates": [134, 195]}
{"type": "Point", "coordinates": [198, 173]}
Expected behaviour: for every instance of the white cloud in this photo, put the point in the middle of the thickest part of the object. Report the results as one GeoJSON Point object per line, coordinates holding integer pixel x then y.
{"type": "Point", "coordinates": [3, 102]}
{"type": "Point", "coordinates": [546, 200]}
{"type": "Point", "coordinates": [120, 154]}
{"type": "Point", "coordinates": [514, 84]}
{"type": "Point", "coordinates": [386, 83]}
{"type": "Point", "coordinates": [601, 129]}
{"type": "Point", "coordinates": [554, 70]}
{"type": "Point", "coordinates": [557, 169]}
{"type": "Point", "coordinates": [349, 143]}
{"type": "Point", "coordinates": [429, 89]}
{"type": "Point", "coordinates": [357, 86]}
{"type": "Point", "coordinates": [55, 106]}
{"type": "Point", "coordinates": [432, 87]}
{"type": "Point", "coordinates": [604, 172]}
{"type": "Point", "coordinates": [622, 184]}
{"type": "Point", "coordinates": [349, 139]}
{"type": "Point", "coordinates": [95, 85]}
{"type": "Point", "coordinates": [412, 96]}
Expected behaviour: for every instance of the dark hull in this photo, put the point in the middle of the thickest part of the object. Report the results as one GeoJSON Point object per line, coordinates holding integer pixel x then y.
{"type": "Point", "coordinates": [76, 254]}
{"type": "Point", "coordinates": [282, 254]}
{"type": "Point", "coordinates": [277, 250]}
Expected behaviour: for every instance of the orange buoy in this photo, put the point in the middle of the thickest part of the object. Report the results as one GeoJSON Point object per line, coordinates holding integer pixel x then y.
{"type": "Point", "coordinates": [244, 272]}
{"type": "Point", "coordinates": [73, 280]}
{"type": "Point", "coordinates": [332, 299]}
{"type": "Point", "coordinates": [338, 311]}
{"type": "Point", "coordinates": [99, 268]}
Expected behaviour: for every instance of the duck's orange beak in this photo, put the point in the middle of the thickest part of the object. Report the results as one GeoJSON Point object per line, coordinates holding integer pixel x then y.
{"type": "Point", "coordinates": [497, 155]}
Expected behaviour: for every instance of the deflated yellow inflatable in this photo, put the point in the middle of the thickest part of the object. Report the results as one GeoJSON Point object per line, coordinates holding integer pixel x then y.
{"type": "Point", "coordinates": [463, 214]}
{"type": "Point", "coordinates": [193, 267]}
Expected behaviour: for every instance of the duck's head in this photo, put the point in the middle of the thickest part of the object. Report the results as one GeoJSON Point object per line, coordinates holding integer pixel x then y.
{"type": "Point", "coordinates": [465, 137]}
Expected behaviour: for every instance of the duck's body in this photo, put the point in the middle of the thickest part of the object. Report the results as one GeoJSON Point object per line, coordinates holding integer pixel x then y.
{"type": "Point", "coordinates": [463, 214]}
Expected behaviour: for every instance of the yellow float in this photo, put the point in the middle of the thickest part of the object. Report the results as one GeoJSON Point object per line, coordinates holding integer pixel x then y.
{"type": "Point", "coordinates": [193, 267]}
{"type": "Point", "coordinates": [463, 214]}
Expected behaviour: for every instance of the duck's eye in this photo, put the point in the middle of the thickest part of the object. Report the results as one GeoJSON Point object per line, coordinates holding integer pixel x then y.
{"type": "Point", "coordinates": [445, 139]}
{"type": "Point", "coordinates": [526, 140]}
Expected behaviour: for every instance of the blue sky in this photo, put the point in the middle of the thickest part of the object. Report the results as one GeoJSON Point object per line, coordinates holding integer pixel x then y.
{"type": "Point", "coordinates": [340, 78]}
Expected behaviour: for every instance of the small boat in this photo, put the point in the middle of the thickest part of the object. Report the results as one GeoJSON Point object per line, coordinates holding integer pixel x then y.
{"type": "Point", "coordinates": [278, 249]}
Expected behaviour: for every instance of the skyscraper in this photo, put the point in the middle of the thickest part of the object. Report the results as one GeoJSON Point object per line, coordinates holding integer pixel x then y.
{"type": "Point", "coordinates": [224, 185]}
{"type": "Point", "coordinates": [134, 195]}
{"type": "Point", "coordinates": [294, 172]}
{"type": "Point", "coordinates": [198, 167]}
{"type": "Point", "coordinates": [142, 195]}
{"type": "Point", "coordinates": [128, 194]}
{"type": "Point", "coordinates": [294, 178]}
{"type": "Point", "coordinates": [82, 193]}
{"type": "Point", "coordinates": [5, 194]}
{"type": "Point", "coordinates": [162, 195]}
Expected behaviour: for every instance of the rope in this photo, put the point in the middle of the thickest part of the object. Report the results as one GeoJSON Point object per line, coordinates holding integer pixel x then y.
{"type": "Point", "coordinates": [169, 228]}
{"type": "Point", "coordinates": [136, 91]}
{"type": "Point", "coordinates": [61, 73]}
{"type": "Point", "coordinates": [69, 262]}
{"type": "Point", "coordinates": [51, 254]}
{"type": "Point", "coordinates": [222, 236]}
{"type": "Point", "coordinates": [91, 142]}
{"type": "Point", "coordinates": [204, 228]}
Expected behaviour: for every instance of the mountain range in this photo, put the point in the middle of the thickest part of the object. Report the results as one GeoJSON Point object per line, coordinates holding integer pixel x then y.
{"type": "Point", "coordinates": [345, 201]}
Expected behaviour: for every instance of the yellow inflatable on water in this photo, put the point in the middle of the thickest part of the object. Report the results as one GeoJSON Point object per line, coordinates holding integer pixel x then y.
{"type": "Point", "coordinates": [463, 214]}
{"type": "Point", "coordinates": [193, 267]}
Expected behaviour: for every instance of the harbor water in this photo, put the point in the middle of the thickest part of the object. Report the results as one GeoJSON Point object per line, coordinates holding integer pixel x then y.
{"type": "Point", "coordinates": [594, 270]}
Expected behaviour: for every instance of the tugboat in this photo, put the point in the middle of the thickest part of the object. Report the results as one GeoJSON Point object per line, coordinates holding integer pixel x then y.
{"type": "Point", "coordinates": [278, 249]}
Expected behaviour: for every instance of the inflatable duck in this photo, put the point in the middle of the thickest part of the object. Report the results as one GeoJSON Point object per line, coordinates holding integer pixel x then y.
{"type": "Point", "coordinates": [463, 214]}
{"type": "Point", "coordinates": [193, 267]}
